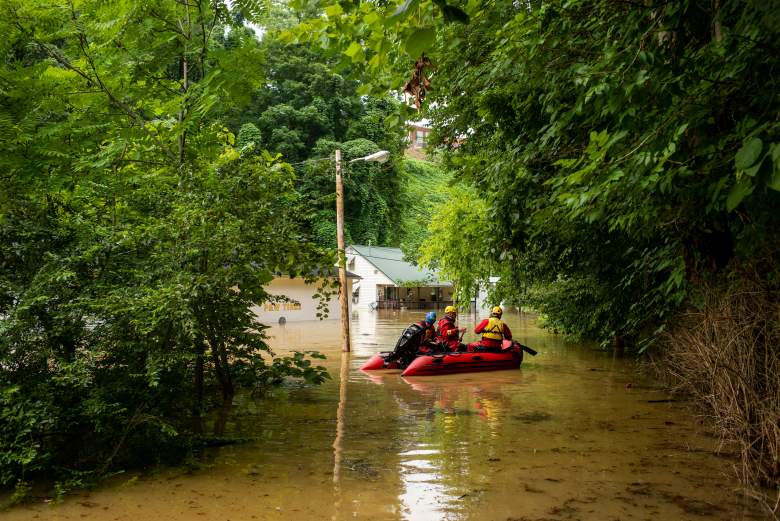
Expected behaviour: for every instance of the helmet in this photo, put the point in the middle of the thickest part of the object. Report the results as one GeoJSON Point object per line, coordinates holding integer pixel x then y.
{"type": "Point", "coordinates": [430, 317]}
{"type": "Point", "coordinates": [450, 309]}
{"type": "Point", "coordinates": [497, 311]}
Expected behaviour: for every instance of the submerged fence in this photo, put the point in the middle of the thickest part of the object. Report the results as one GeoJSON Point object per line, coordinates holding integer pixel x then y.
{"type": "Point", "coordinates": [413, 304]}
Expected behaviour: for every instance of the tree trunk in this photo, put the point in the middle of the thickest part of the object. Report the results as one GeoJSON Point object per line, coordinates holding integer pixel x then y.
{"type": "Point", "coordinates": [222, 371]}
{"type": "Point", "coordinates": [717, 31]}
{"type": "Point", "coordinates": [183, 111]}
{"type": "Point", "coordinates": [197, 420]}
{"type": "Point", "coordinates": [618, 345]}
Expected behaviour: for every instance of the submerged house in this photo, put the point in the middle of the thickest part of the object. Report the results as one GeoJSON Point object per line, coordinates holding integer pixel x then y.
{"type": "Point", "coordinates": [387, 281]}
{"type": "Point", "coordinates": [302, 303]}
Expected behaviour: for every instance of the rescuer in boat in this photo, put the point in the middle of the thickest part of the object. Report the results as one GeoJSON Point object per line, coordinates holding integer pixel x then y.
{"type": "Point", "coordinates": [493, 331]}
{"type": "Point", "coordinates": [417, 338]}
{"type": "Point", "coordinates": [448, 333]}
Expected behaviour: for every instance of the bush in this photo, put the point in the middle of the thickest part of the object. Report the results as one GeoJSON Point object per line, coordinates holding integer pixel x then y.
{"type": "Point", "coordinates": [726, 354]}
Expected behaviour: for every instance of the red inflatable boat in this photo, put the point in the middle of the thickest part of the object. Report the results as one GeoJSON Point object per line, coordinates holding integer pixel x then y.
{"type": "Point", "coordinates": [448, 363]}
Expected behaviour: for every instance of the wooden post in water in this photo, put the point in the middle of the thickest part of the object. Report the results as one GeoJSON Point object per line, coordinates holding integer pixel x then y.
{"type": "Point", "coordinates": [343, 303]}
{"type": "Point", "coordinates": [618, 345]}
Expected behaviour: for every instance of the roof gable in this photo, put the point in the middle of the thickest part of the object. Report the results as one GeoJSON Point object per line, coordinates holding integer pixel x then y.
{"type": "Point", "coordinates": [390, 261]}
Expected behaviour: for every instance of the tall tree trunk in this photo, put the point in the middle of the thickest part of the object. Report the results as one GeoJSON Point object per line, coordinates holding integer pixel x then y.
{"type": "Point", "coordinates": [222, 371]}
{"type": "Point", "coordinates": [185, 80]}
{"type": "Point", "coordinates": [197, 413]}
{"type": "Point", "coordinates": [717, 31]}
{"type": "Point", "coordinates": [183, 111]}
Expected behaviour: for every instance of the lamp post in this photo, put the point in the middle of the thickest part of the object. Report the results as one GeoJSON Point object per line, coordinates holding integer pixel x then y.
{"type": "Point", "coordinates": [379, 157]}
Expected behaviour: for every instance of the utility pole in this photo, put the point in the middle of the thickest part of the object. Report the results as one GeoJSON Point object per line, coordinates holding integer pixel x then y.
{"type": "Point", "coordinates": [344, 304]}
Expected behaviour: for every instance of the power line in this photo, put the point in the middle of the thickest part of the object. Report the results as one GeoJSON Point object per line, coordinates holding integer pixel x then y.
{"type": "Point", "coordinates": [312, 161]}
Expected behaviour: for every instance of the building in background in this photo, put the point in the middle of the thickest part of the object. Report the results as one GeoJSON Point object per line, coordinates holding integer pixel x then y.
{"type": "Point", "coordinates": [417, 138]}
{"type": "Point", "coordinates": [387, 281]}
{"type": "Point", "coordinates": [302, 304]}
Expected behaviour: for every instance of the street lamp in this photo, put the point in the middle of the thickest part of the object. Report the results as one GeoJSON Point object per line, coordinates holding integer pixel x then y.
{"type": "Point", "coordinates": [378, 157]}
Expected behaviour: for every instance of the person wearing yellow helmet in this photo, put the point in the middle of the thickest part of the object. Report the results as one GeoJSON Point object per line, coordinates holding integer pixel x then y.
{"type": "Point", "coordinates": [447, 332]}
{"type": "Point", "coordinates": [493, 332]}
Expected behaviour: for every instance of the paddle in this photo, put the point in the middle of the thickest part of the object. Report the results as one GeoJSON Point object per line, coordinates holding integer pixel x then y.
{"type": "Point", "coordinates": [527, 349]}
{"type": "Point", "coordinates": [460, 339]}
{"type": "Point", "coordinates": [524, 348]}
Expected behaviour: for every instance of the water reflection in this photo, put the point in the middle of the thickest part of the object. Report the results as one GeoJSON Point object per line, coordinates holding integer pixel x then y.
{"type": "Point", "coordinates": [337, 441]}
{"type": "Point", "coordinates": [563, 437]}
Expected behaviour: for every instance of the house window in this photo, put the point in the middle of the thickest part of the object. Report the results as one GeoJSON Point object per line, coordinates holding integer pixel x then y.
{"type": "Point", "coordinates": [420, 141]}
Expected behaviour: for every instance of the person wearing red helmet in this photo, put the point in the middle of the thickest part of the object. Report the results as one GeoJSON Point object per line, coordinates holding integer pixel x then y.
{"type": "Point", "coordinates": [493, 332]}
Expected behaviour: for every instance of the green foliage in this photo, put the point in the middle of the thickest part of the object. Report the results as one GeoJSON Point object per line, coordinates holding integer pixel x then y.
{"type": "Point", "coordinates": [456, 235]}
{"type": "Point", "coordinates": [134, 237]}
{"type": "Point", "coordinates": [378, 36]}
{"type": "Point", "coordinates": [424, 186]}
{"type": "Point", "coordinates": [371, 211]}
{"type": "Point", "coordinates": [304, 111]}
{"type": "Point", "coordinates": [301, 101]}
{"type": "Point", "coordinates": [625, 151]}
{"type": "Point", "coordinates": [249, 135]}
{"type": "Point", "coordinates": [19, 418]}
{"type": "Point", "coordinates": [615, 167]}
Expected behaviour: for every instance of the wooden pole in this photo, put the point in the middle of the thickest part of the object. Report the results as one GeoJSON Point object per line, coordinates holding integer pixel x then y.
{"type": "Point", "coordinates": [343, 303]}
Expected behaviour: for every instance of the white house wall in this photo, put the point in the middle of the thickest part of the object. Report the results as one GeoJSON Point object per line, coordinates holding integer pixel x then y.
{"type": "Point", "coordinates": [482, 303]}
{"type": "Point", "coordinates": [305, 307]}
{"type": "Point", "coordinates": [370, 278]}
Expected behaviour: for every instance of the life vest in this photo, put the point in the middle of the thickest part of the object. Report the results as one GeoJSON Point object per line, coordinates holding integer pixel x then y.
{"type": "Point", "coordinates": [494, 330]}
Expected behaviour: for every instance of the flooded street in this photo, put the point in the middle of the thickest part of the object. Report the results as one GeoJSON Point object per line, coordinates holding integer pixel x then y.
{"type": "Point", "coordinates": [573, 434]}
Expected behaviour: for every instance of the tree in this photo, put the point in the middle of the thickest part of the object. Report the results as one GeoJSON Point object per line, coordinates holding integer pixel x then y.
{"type": "Point", "coordinates": [621, 144]}
{"type": "Point", "coordinates": [249, 135]}
{"type": "Point", "coordinates": [621, 149]}
{"type": "Point", "coordinates": [134, 237]}
{"type": "Point", "coordinates": [371, 211]}
{"type": "Point", "coordinates": [304, 111]}
{"type": "Point", "coordinates": [424, 190]}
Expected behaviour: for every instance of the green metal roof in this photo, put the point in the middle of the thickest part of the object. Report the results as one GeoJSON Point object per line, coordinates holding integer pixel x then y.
{"type": "Point", "coordinates": [390, 261]}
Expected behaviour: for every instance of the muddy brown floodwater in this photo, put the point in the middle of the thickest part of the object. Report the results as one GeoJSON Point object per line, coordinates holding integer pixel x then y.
{"type": "Point", "coordinates": [572, 435]}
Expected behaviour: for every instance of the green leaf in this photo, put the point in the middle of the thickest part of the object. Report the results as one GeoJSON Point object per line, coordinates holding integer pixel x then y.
{"type": "Point", "coordinates": [774, 180]}
{"type": "Point", "coordinates": [738, 192]}
{"type": "Point", "coordinates": [753, 170]}
{"type": "Point", "coordinates": [371, 18]}
{"type": "Point", "coordinates": [333, 10]}
{"type": "Point", "coordinates": [420, 41]}
{"type": "Point", "coordinates": [354, 51]}
{"type": "Point", "coordinates": [748, 154]}
{"type": "Point", "coordinates": [392, 121]}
